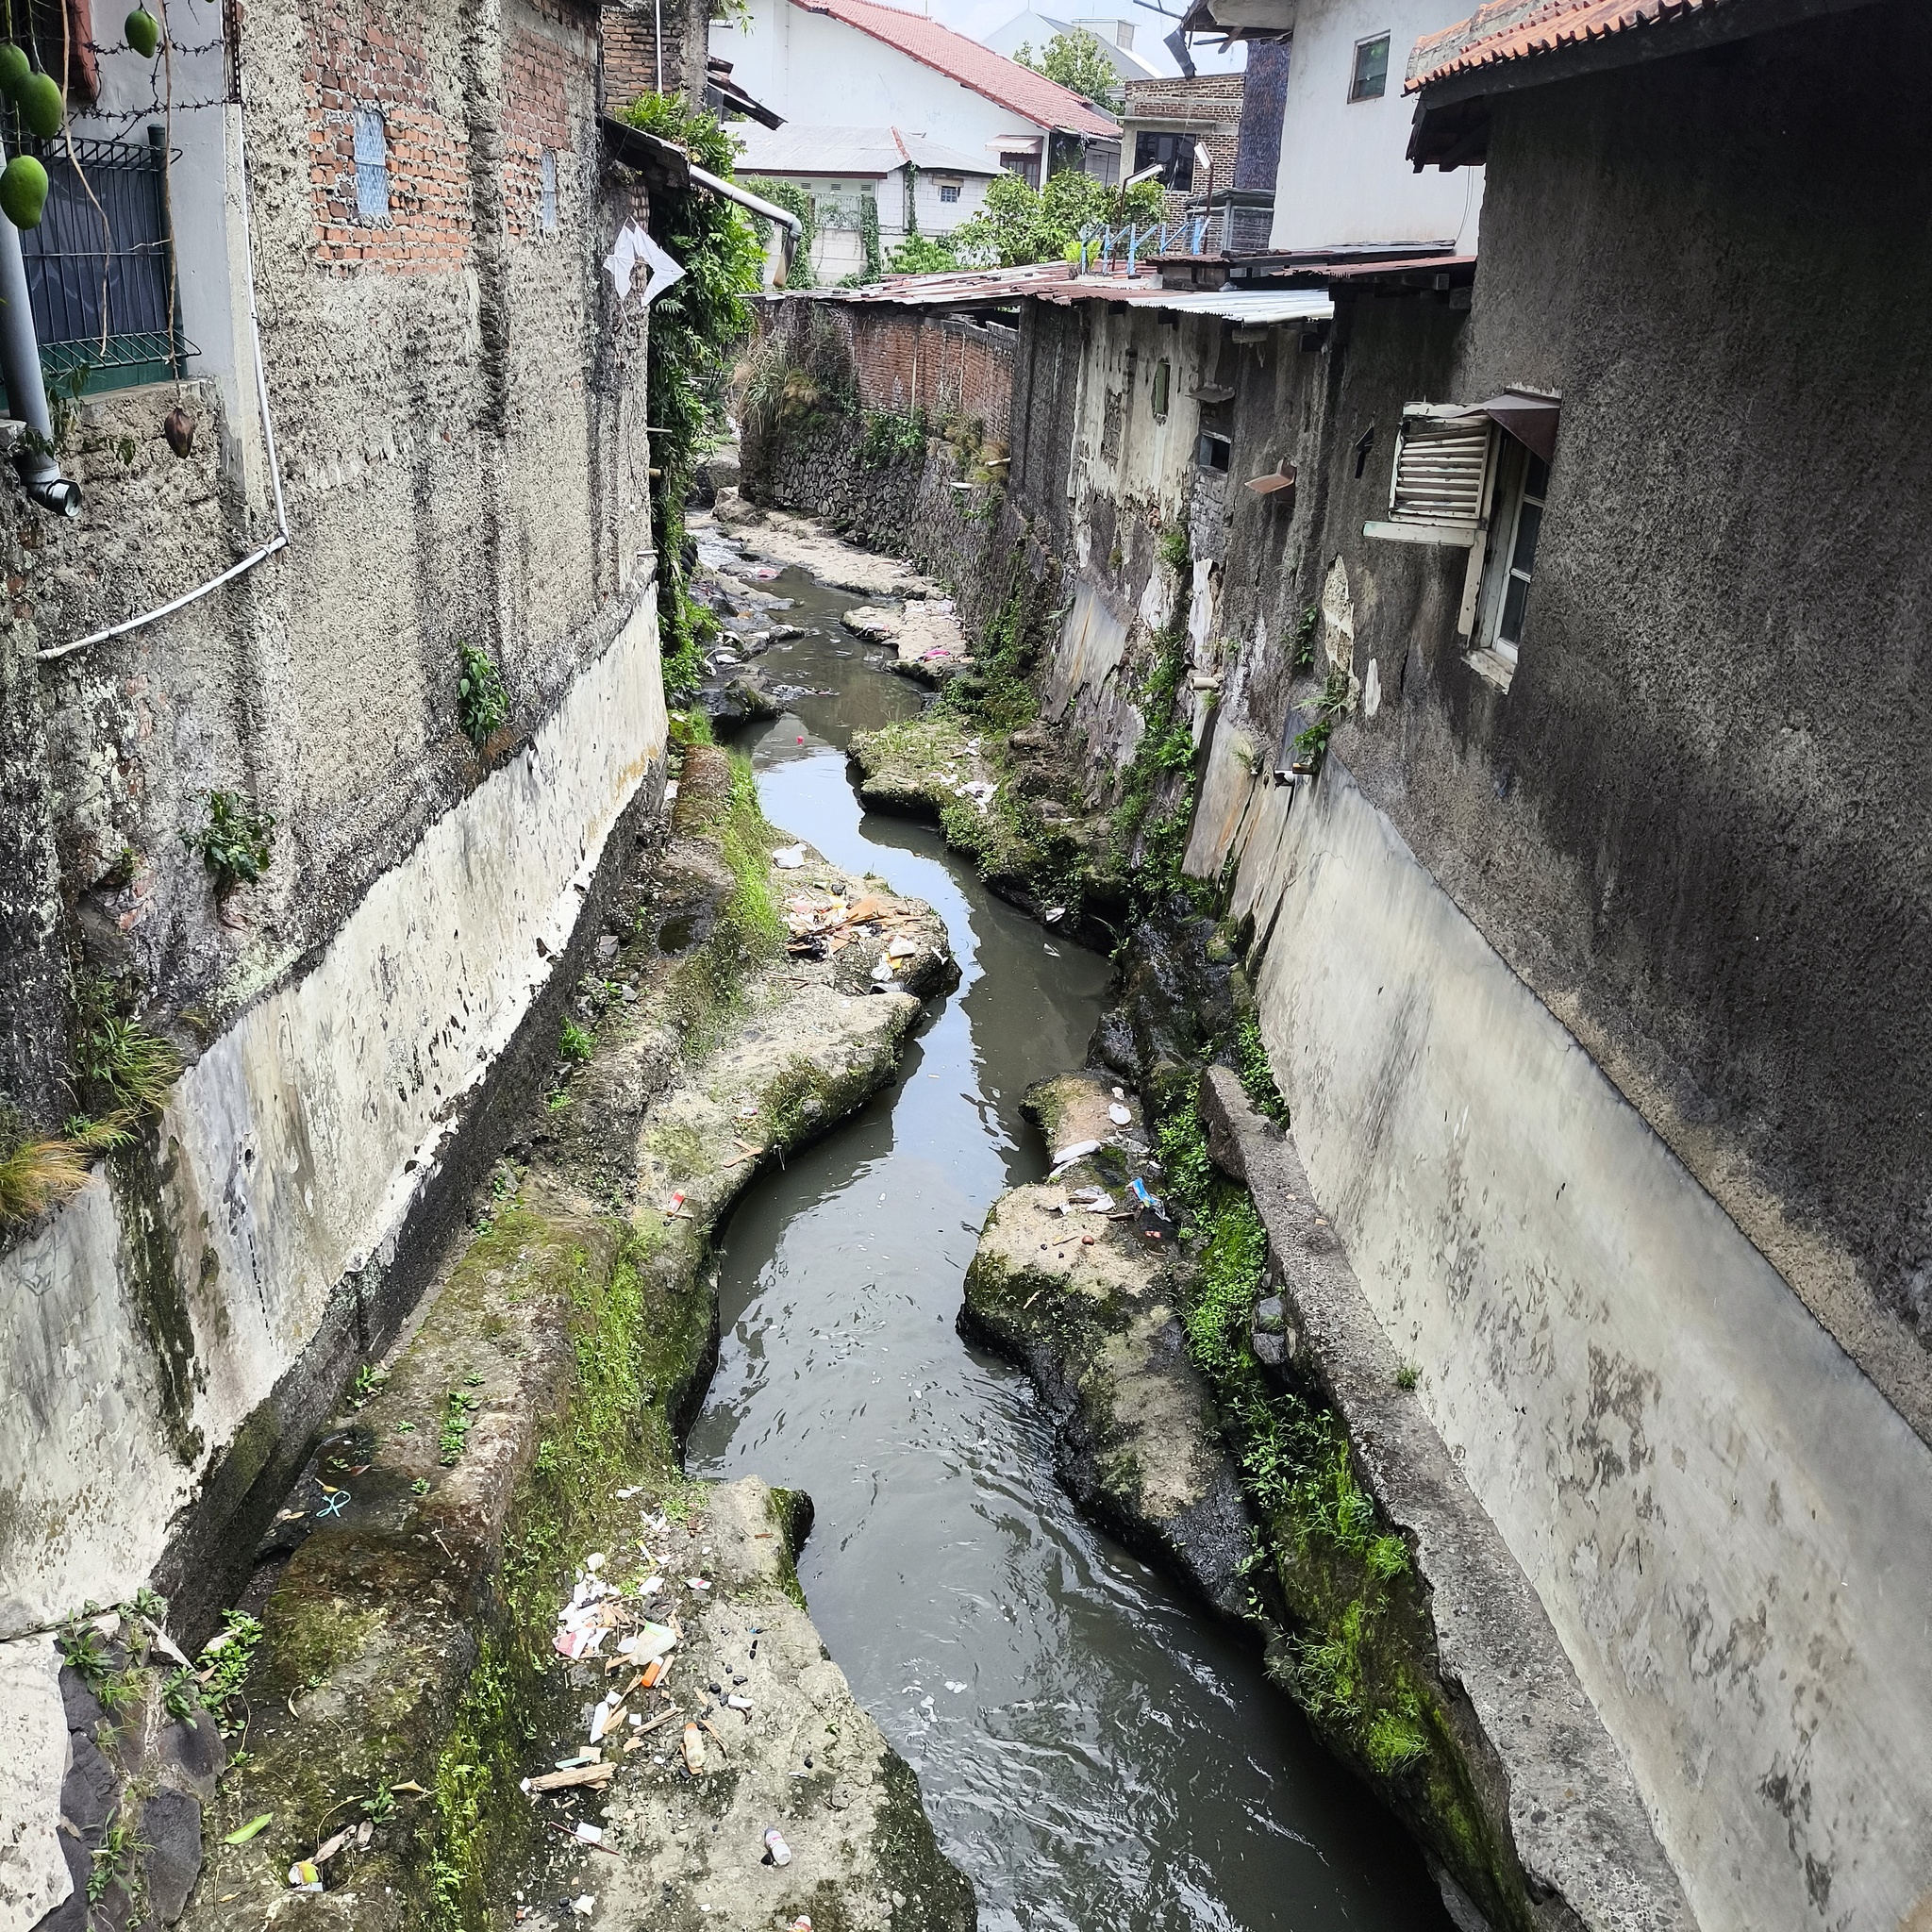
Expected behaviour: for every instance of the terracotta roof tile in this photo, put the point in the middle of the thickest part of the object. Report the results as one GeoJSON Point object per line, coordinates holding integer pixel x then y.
{"type": "Point", "coordinates": [1516, 29]}
{"type": "Point", "coordinates": [1002, 81]}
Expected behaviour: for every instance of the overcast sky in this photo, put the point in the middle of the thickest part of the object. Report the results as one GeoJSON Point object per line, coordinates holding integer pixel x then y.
{"type": "Point", "coordinates": [980, 17]}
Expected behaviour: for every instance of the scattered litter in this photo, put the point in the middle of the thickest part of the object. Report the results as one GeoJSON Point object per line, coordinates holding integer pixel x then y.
{"type": "Point", "coordinates": [589, 1833]}
{"type": "Point", "coordinates": [698, 1582]}
{"type": "Point", "coordinates": [1152, 1202]}
{"type": "Point", "coordinates": [335, 1844]}
{"type": "Point", "coordinates": [902, 948]}
{"type": "Point", "coordinates": [1054, 917]}
{"type": "Point", "coordinates": [597, 1773]}
{"type": "Point", "coordinates": [364, 1832]}
{"type": "Point", "coordinates": [242, 1833]}
{"type": "Point", "coordinates": [303, 1876]}
{"type": "Point", "coordinates": [584, 1906]}
{"type": "Point", "coordinates": [1078, 1151]}
{"type": "Point", "coordinates": [776, 1850]}
{"type": "Point", "coordinates": [1120, 1116]}
{"type": "Point", "coordinates": [1103, 1205]}
{"type": "Point", "coordinates": [694, 1750]}
{"type": "Point", "coordinates": [883, 971]}
{"type": "Point", "coordinates": [736, 1702]}
{"type": "Point", "coordinates": [789, 857]}
{"type": "Point", "coordinates": [801, 1923]}
{"type": "Point", "coordinates": [595, 1563]}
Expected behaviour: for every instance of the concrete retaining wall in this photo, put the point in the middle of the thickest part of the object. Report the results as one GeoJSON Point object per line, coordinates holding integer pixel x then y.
{"type": "Point", "coordinates": [144, 1326]}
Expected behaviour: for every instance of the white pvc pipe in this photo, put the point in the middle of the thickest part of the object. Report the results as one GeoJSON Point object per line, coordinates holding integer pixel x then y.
{"type": "Point", "coordinates": [280, 540]}
{"type": "Point", "coordinates": [731, 191]}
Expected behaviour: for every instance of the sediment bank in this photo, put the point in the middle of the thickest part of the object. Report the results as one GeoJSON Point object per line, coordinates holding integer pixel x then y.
{"type": "Point", "coordinates": [519, 1449]}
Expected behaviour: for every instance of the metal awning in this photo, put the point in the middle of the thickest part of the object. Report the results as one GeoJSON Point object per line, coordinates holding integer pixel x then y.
{"type": "Point", "coordinates": [662, 163]}
{"type": "Point", "coordinates": [1530, 416]}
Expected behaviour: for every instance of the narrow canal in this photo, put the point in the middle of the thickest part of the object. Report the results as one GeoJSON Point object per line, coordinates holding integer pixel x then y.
{"type": "Point", "coordinates": [1096, 1753]}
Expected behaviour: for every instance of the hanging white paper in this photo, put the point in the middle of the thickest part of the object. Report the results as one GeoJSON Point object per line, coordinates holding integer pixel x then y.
{"type": "Point", "coordinates": [632, 246]}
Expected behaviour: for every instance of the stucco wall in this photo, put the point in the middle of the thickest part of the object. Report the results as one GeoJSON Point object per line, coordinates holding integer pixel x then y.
{"type": "Point", "coordinates": [460, 410]}
{"type": "Point", "coordinates": [820, 72]}
{"type": "Point", "coordinates": [289, 1157]}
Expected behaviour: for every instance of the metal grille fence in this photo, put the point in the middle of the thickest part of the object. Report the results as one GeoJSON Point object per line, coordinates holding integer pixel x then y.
{"type": "Point", "coordinates": [101, 292]}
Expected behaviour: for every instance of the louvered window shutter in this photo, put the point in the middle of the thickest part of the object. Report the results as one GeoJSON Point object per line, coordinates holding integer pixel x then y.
{"type": "Point", "coordinates": [1442, 477]}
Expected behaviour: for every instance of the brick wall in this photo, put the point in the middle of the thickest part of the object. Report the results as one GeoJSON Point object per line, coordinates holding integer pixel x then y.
{"type": "Point", "coordinates": [904, 360]}
{"type": "Point", "coordinates": [1208, 108]}
{"type": "Point", "coordinates": [630, 49]}
{"type": "Point", "coordinates": [360, 58]}
{"type": "Point", "coordinates": [538, 74]}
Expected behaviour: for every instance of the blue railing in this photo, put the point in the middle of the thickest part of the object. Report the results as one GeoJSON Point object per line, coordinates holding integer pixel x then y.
{"type": "Point", "coordinates": [1099, 241]}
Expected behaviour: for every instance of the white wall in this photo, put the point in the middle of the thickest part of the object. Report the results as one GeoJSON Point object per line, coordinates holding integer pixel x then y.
{"type": "Point", "coordinates": [937, 217]}
{"type": "Point", "coordinates": [296, 1145]}
{"type": "Point", "coordinates": [820, 73]}
{"type": "Point", "coordinates": [1343, 176]}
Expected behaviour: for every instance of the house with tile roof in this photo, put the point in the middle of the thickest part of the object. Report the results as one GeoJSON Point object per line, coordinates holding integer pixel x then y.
{"type": "Point", "coordinates": [855, 63]}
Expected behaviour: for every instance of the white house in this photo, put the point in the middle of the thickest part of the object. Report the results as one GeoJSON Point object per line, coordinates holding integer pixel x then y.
{"type": "Point", "coordinates": [1345, 179]}
{"type": "Point", "coordinates": [853, 63]}
{"type": "Point", "coordinates": [910, 178]}
{"type": "Point", "coordinates": [1117, 38]}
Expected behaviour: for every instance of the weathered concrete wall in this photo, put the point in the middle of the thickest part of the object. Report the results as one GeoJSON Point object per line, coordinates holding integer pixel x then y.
{"type": "Point", "coordinates": [460, 410]}
{"type": "Point", "coordinates": [1729, 1525]}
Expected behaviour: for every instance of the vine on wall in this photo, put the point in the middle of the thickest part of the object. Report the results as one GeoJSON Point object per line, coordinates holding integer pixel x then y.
{"type": "Point", "coordinates": [696, 327]}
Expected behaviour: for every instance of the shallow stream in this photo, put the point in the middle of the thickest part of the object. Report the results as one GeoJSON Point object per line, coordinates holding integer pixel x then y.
{"type": "Point", "coordinates": [1094, 1751]}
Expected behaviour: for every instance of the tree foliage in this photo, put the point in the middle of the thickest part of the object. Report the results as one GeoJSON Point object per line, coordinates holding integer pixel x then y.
{"type": "Point", "coordinates": [1021, 225]}
{"type": "Point", "coordinates": [1077, 60]}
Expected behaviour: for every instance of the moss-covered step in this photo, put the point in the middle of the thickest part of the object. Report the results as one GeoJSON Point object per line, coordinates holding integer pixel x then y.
{"type": "Point", "coordinates": [1089, 1303]}
{"type": "Point", "coordinates": [405, 1682]}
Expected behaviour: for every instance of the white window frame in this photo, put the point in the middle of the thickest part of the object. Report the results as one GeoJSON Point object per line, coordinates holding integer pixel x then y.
{"type": "Point", "coordinates": [1514, 470]}
{"type": "Point", "coordinates": [547, 191]}
{"type": "Point", "coordinates": [1441, 479]}
{"type": "Point", "coordinates": [369, 143]}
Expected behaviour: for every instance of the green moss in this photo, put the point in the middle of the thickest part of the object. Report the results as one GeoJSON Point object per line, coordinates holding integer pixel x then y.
{"type": "Point", "coordinates": [1359, 1658]}
{"type": "Point", "coordinates": [311, 1636]}
{"type": "Point", "coordinates": [749, 932]}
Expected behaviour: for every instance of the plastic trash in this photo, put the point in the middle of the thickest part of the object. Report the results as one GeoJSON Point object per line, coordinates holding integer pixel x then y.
{"type": "Point", "coordinates": [883, 971]}
{"type": "Point", "coordinates": [1120, 1116]}
{"type": "Point", "coordinates": [789, 857]}
{"type": "Point", "coordinates": [584, 1905]}
{"type": "Point", "coordinates": [589, 1833]}
{"type": "Point", "coordinates": [1078, 1151]}
{"type": "Point", "coordinates": [776, 1850]}
{"type": "Point", "coordinates": [1151, 1202]}
{"type": "Point", "coordinates": [1054, 915]}
{"type": "Point", "coordinates": [303, 1876]}
{"type": "Point", "coordinates": [694, 1750]}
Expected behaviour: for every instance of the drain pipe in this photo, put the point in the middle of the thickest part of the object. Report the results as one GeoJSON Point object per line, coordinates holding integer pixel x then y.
{"type": "Point", "coordinates": [20, 366]}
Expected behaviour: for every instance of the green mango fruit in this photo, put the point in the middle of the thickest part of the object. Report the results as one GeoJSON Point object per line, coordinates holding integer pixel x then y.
{"type": "Point", "coordinates": [143, 32]}
{"type": "Point", "coordinates": [24, 191]}
{"type": "Point", "coordinates": [43, 106]}
{"type": "Point", "coordinates": [14, 69]}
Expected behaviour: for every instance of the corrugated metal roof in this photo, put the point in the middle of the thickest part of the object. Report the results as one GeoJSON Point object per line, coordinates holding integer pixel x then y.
{"type": "Point", "coordinates": [1003, 81]}
{"type": "Point", "coordinates": [795, 149]}
{"type": "Point", "coordinates": [1057, 282]}
{"type": "Point", "coordinates": [1508, 30]}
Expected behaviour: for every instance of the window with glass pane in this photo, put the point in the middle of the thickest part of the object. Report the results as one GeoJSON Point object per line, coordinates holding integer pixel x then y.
{"type": "Point", "coordinates": [949, 191]}
{"type": "Point", "coordinates": [1528, 523]}
{"type": "Point", "coordinates": [1370, 80]}
{"type": "Point", "coordinates": [1173, 154]}
{"type": "Point", "coordinates": [546, 191]}
{"type": "Point", "coordinates": [371, 165]}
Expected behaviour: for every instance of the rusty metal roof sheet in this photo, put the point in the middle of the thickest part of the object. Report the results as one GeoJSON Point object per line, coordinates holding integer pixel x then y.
{"type": "Point", "coordinates": [1510, 30]}
{"type": "Point", "coordinates": [1058, 283]}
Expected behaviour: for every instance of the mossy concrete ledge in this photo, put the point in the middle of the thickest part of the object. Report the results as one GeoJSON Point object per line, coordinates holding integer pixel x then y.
{"type": "Point", "coordinates": [1538, 1761]}
{"type": "Point", "coordinates": [405, 1684]}
{"type": "Point", "coordinates": [1090, 1306]}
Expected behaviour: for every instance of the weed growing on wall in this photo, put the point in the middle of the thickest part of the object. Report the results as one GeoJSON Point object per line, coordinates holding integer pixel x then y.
{"type": "Point", "coordinates": [1149, 849]}
{"type": "Point", "coordinates": [1257, 1076]}
{"type": "Point", "coordinates": [892, 434]}
{"type": "Point", "coordinates": [125, 1069]}
{"type": "Point", "coordinates": [1337, 1564]}
{"type": "Point", "coordinates": [482, 699]}
{"type": "Point", "coordinates": [696, 329]}
{"type": "Point", "coordinates": [1331, 706]}
{"type": "Point", "coordinates": [233, 842]}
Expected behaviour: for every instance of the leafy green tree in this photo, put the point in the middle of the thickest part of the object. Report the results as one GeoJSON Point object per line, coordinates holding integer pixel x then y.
{"type": "Point", "coordinates": [921, 255]}
{"type": "Point", "coordinates": [1078, 60]}
{"type": "Point", "coordinates": [1021, 225]}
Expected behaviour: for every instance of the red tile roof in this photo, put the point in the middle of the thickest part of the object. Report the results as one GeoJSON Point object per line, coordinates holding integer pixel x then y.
{"type": "Point", "coordinates": [1006, 83]}
{"type": "Point", "coordinates": [1508, 30]}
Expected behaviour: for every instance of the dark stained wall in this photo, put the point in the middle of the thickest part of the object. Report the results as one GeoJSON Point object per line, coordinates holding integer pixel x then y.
{"type": "Point", "coordinates": [1700, 821]}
